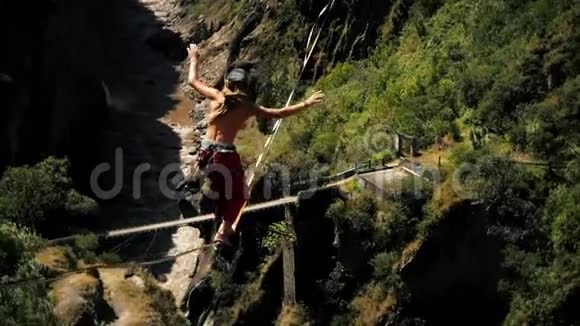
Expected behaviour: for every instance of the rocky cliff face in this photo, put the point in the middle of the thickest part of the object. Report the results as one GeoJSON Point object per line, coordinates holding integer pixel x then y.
{"type": "Point", "coordinates": [52, 65]}
{"type": "Point", "coordinates": [454, 273]}
{"type": "Point", "coordinates": [353, 26]}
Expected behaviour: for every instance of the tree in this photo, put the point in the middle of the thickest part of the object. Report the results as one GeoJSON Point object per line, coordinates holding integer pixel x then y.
{"type": "Point", "coordinates": [29, 195]}
{"type": "Point", "coordinates": [25, 303]}
{"type": "Point", "coordinates": [562, 216]}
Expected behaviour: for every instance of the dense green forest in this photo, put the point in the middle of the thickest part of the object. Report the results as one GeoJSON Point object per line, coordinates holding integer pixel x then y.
{"type": "Point", "coordinates": [487, 68]}
{"type": "Point", "coordinates": [487, 83]}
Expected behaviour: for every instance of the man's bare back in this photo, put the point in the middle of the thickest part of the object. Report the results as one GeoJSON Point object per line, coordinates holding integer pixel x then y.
{"type": "Point", "coordinates": [224, 128]}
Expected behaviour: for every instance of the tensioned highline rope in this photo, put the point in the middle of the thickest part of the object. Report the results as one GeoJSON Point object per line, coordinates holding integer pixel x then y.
{"type": "Point", "coordinates": [310, 46]}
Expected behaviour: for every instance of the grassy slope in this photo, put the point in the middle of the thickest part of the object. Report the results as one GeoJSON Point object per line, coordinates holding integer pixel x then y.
{"type": "Point", "coordinates": [451, 72]}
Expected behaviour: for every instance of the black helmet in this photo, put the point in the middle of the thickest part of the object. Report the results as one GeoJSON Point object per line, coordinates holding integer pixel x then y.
{"type": "Point", "coordinates": [239, 79]}
{"type": "Point", "coordinates": [237, 75]}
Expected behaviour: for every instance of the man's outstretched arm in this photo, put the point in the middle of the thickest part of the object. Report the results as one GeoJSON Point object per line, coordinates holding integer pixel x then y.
{"type": "Point", "coordinates": [193, 79]}
{"type": "Point", "coordinates": [315, 99]}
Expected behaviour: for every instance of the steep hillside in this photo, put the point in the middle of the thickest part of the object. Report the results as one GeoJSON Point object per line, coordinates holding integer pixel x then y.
{"type": "Point", "coordinates": [52, 65]}
{"type": "Point", "coordinates": [486, 90]}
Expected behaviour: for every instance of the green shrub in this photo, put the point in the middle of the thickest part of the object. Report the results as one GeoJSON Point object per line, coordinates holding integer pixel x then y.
{"type": "Point", "coordinates": [110, 258]}
{"type": "Point", "coordinates": [31, 194]}
{"type": "Point", "coordinates": [77, 204]}
{"type": "Point", "coordinates": [16, 245]}
{"type": "Point", "coordinates": [396, 229]}
{"type": "Point", "coordinates": [357, 214]}
{"type": "Point", "coordinates": [562, 215]}
{"type": "Point", "coordinates": [541, 294]}
{"type": "Point", "coordinates": [26, 303]}
{"type": "Point", "coordinates": [383, 268]}
{"type": "Point", "coordinates": [462, 153]}
{"type": "Point", "coordinates": [87, 242]}
{"type": "Point", "coordinates": [278, 234]}
{"type": "Point", "coordinates": [85, 247]}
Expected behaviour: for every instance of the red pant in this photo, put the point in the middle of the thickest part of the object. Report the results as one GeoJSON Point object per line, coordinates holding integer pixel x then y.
{"type": "Point", "coordinates": [228, 185]}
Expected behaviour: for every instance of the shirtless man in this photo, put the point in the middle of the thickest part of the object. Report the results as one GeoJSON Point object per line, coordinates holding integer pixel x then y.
{"type": "Point", "coordinates": [230, 108]}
